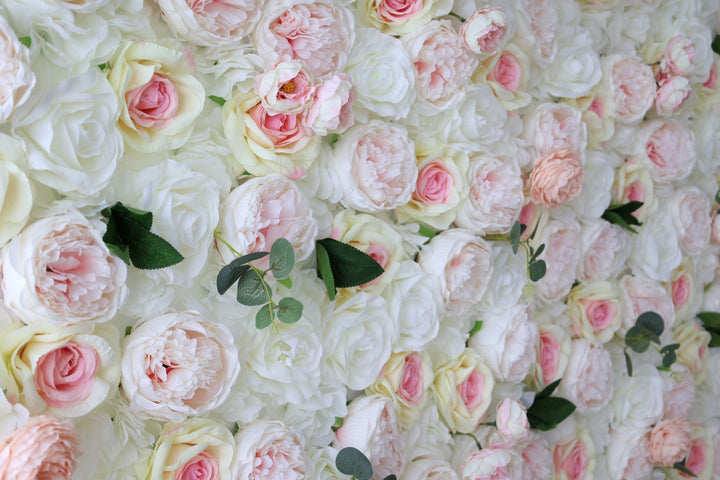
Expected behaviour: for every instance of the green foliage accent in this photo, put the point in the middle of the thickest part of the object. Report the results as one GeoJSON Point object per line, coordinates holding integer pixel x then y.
{"type": "Point", "coordinates": [128, 329]}
{"type": "Point", "coordinates": [716, 44]}
{"type": "Point", "coordinates": [622, 215]}
{"type": "Point", "coordinates": [128, 236]}
{"type": "Point", "coordinates": [286, 282]}
{"type": "Point", "coordinates": [548, 390]}
{"type": "Point", "coordinates": [334, 138]}
{"type": "Point", "coordinates": [537, 269]}
{"type": "Point", "coordinates": [711, 322]}
{"type": "Point", "coordinates": [282, 258]}
{"type": "Point", "coordinates": [251, 289]}
{"type": "Point", "coordinates": [289, 310]}
{"type": "Point", "coordinates": [648, 328]}
{"type": "Point", "coordinates": [27, 41]}
{"type": "Point", "coordinates": [350, 267]}
{"type": "Point", "coordinates": [547, 411]}
{"type": "Point", "coordinates": [628, 363]}
{"type": "Point", "coordinates": [325, 270]}
{"type": "Point", "coordinates": [352, 461]}
{"type": "Point", "coordinates": [235, 428]}
{"type": "Point", "coordinates": [263, 318]}
{"type": "Point", "coordinates": [426, 232]}
{"type": "Point", "coordinates": [515, 233]}
{"type": "Point", "coordinates": [338, 423]}
{"type": "Point", "coordinates": [103, 66]}
{"type": "Point", "coordinates": [717, 194]}
{"type": "Point", "coordinates": [219, 100]}
{"type": "Point", "coordinates": [680, 466]}
{"type": "Point", "coordinates": [668, 354]}
{"type": "Point", "coordinates": [477, 327]}
{"type": "Point", "coordinates": [390, 477]}
{"type": "Point", "coordinates": [232, 272]}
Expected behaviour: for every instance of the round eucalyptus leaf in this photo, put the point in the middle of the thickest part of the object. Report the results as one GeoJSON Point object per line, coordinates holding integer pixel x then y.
{"type": "Point", "coordinates": [289, 310]}
{"type": "Point", "coordinates": [263, 318]}
{"type": "Point", "coordinates": [282, 258]}
{"type": "Point", "coordinates": [352, 461]}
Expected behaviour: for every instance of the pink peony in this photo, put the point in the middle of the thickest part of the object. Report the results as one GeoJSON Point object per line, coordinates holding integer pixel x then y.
{"type": "Point", "coordinates": [487, 30]}
{"type": "Point", "coordinates": [556, 178]}
{"type": "Point", "coordinates": [669, 442]}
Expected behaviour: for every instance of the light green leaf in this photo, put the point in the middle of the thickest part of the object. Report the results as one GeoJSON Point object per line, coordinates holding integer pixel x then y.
{"type": "Point", "coordinates": [250, 289]}
{"type": "Point", "coordinates": [219, 100]}
{"type": "Point", "coordinates": [282, 258]}
{"type": "Point", "coordinates": [27, 41]}
{"type": "Point", "coordinates": [289, 310]}
{"type": "Point", "coordinates": [263, 318]}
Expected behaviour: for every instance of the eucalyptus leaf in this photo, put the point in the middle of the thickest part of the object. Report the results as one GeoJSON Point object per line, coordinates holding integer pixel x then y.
{"type": "Point", "coordinates": [289, 310]}
{"type": "Point", "coordinates": [390, 477]}
{"type": "Point", "coordinates": [628, 363]}
{"type": "Point", "coordinates": [669, 354]}
{"type": "Point", "coordinates": [263, 318]}
{"type": "Point", "coordinates": [652, 321]}
{"type": "Point", "coordinates": [636, 340]}
{"type": "Point", "coordinates": [537, 270]}
{"type": "Point", "coordinates": [350, 266]}
{"type": "Point", "coordinates": [251, 289]}
{"type": "Point", "coordinates": [230, 274]}
{"type": "Point", "coordinates": [515, 236]}
{"type": "Point", "coordinates": [537, 253]}
{"type": "Point", "coordinates": [282, 258]}
{"type": "Point", "coordinates": [352, 461]}
{"type": "Point", "coordinates": [547, 412]}
{"type": "Point", "coordinates": [325, 271]}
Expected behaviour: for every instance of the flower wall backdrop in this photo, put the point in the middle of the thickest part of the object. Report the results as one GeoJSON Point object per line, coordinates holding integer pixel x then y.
{"type": "Point", "coordinates": [530, 188]}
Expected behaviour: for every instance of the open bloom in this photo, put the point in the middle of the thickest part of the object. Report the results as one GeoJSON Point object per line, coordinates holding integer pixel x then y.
{"type": "Point", "coordinates": [487, 30]}
{"type": "Point", "coordinates": [269, 449]}
{"type": "Point", "coordinates": [16, 77]}
{"type": "Point", "coordinates": [557, 177]}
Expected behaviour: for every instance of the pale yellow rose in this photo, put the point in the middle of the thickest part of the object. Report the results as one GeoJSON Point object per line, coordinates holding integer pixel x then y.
{"type": "Point", "coordinates": [16, 198]}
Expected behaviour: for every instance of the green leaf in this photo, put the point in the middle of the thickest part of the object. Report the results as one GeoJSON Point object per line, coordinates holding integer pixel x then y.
{"type": "Point", "coordinates": [250, 289]}
{"type": "Point", "coordinates": [426, 232]}
{"type": "Point", "coordinates": [716, 44]}
{"type": "Point", "coordinates": [622, 215]}
{"type": "Point", "coordinates": [476, 328]}
{"type": "Point", "coordinates": [714, 339]}
{"type": "Point", "coordinates": [334, 138]}
{"type": "Point", "coordinates": [324, 270]}
{"type": "Point", "coordinates": [338, 423]}
{"type": "Point", "coordinates": [547, 412]}
{"type": "Point", "coordinates": [230, 274]}
{"type": "Point", "coordinates": [668, 353]}
{"type": "Point", "coordinates": [717, 194]}
{"type": "Point", "coordinates": [636, 339]}
{"type": "Point", "coordinates": [289, 310]}
{"type": "Point", "coordinates": [628, 363]}
{"type": "Point", "coordinates": [128, 329]}
{"type": "Point", "coordinates": [515, 233]}
{"type": "Point", "coordinates": [149, 251]}
{"type": "Point", "coordinates": [680, 466]}
{"type": "Point", "coordinates": [390, 477]}
{"type": "Point", "coordinates": [710, 319]}
{"type": "Point", "coordinates": [219, 100]}
{"type": "Point", "coordinates": [350, 267]}
{"type": "Point", "coordinates": [286, 282]}
{"type": "Point", "coordinates": [282, 258]}
{"type": "Point", "coordinates": [540, 249]}
{"type": "Point", "coordinates": [352, 461]}
{"type": "Point", "coordinates": [103, 66]}
{"type": "Point", "coordinates": [27, 41]}
{"type": "Point", "coordinates": [121, 251]}
{"type": "Point", "coordinates": [537, 270]}
{"type": "Point", "coordinates": [263, 318]}
{"type": "Point", "coordinates": [653, 322]}
{"type": "Point", "coordinates": [547, 391]}
{"type": "Point", "coordinates": [235, 428]}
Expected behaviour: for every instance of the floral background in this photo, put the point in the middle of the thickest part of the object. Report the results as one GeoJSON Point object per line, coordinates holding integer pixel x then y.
{"type": "Point", "coordinates": [422, 132]}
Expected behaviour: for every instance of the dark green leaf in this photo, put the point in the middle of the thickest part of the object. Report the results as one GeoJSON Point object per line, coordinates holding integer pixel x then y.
{"type": "Point", "coordinates": [476, 328]}
{"type": "Point", "coordinates": [628, 363]}
{"type": "Point", "coordinates": [710, 319]}
{"type": "Point", "coordinates": [717, 194]}
{"type": "Point", "coordinates": [537, 252]}
{"type": "Point", "coordinates": [230, 274]}
{"type": "Point", "coordinates": [149, 251]}
{"type": "Point", "coordinates": [390, 477]}
{"type": "Point", "coordinates": [251, 289]}
{"type": "Point", "coordinates": [350, 267]}
{"type": "Point", "coordinates": [515, 236]}
{"type": "Point", "coordinates": [622, 215]}
{"type": "Point", "coordinates": [121, 251]}
{"type": "Point", "coordinates": [263, 318]}
{"type": "Point", "coordinates": [235, 428]}
{"type": "Point", "coordinates": [426, 232]}
{"type": "Point", "coordinates": [352, 461]}
{"type": "Point", "coordinates": [128, 329]}
{"type": "Point", "coordinates": [653, 322]}
{"type": "Point", "coordinates": [141, 217]}
{"type": "Point", "coordinates": [635, 338]}
{"type": "Point", "coordinates": [546, 413]}
{"type": "Point", "coordinates": [680, 466]}
{"type": "Point", "coordinates": [282, 258]}
{"type": "Point", "coordinates": [669, 358]}
{"type": "Point", "coordinates": [537, 270]}
{"type": "Point", "coordinates": [663, 369]}
{"type": "Point", "coordinates": [324, 270]}
{"type": "Point", "coordinates": [289, 310]}
{"type": "Point", "coordinates": [714, 339]}
{"type": "Point", "coordinates": [547, 391]}
{"type": "Point", "coordinates": [27, 41]}
{"type": "Point", "coordinates": [716, 47]}
{"type": "Point", "coordinates": [286, 282]}
{"type": "Point", "coordinates": [219, 100]}
{"type": "Point", "coordinates": [102, 66]}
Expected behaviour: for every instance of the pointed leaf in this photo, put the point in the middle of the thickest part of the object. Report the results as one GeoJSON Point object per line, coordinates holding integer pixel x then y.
{"type": "Point", "coordinates": [352, 461]}
{"type": "Point", "coordinates": [477, 327]}
{"type": "Point", "coordinates": [136, 215]}
{"type": "Point", "coordinates": [289, 310]}
{"type": "Point", "coordinates": [537, 253]}
{"type": "Point", "coordinates": [547, 391]}
{"type": "Point", "coordinates": [710, 319]}
{"type": "Point", "coordinates": [282, 258]}
{"type": "Point", "coordinates": [546, 413]}
{"type": "Point", "coordinates": [324, 270]}
{"type": "Point", "coordinates": [250, 290]}
{"type": "Point", "coordinates": [537, 270]}
{"type": "Point", "coordinates": [230, 274]}
{"type": "Point", "coordinates": [219, 100]}
{"type": "Point", "coordinates": [628, 363]}
{"type": "Point", "coordinates": [350, 266]}
{"type": "Point", "coordinates": [27, 41]}
{"type": "Point", "coordinates": [150, 251]}
{"type": "Point", "coordinates": [681, 467]}
{"type": "Point", "coordinates": [286, 282]}
{"type": "Point", "coordinates": [515, 233]}
{"type": "Point", "coordinates": [263, 318]}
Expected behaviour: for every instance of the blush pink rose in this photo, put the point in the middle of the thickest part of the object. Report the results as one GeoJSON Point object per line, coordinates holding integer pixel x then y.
{"type": "Point", "coordinates": [202, 466]}
{"type": "Point", "coordinates": [554, 126]}
{"type": "Point", "coordinates": [44, 448]}
{"type": "Point", "coordinates": [537, 459]}
{"type": "Point", "coordinates": [681, 289]}
{"type": "Point", "coordinates": [154, 104]}
{"type": "Point", "coordinates": [672, 95]}
{"type": "Point", "coordinates": [471, 389]}
{"type": "Point", "coordinates": [512, 422]}
{"type": "Point", "coordinates": [394, 11]}
{"type": "Point", "coordinates": [691, 211]}
{"type": "Point", "coordinates": [283, 129]}
{"type": "Point", "coordinates": [488, 464]}
{"type": "Point", "coordinates": [543, 23]}
{"type": "Point", "coordinates": [670, 441]}
{"type": "Point", "coordinates": [588, 379]}
{"type": "Point", "coordinates": [604, 250]}
{"type": "Point", "coordinates": [487, 30]}
{"type": "Point", "coordinates": [331, 110]}
{"type": "Point", "coordinates": [65, 376]}
{"type": "Point", "coordinates": [549, 356]}
{"type": "Point", "coordinates": [286, 87]}
{"type": "Point", "coordinates": [631, 84]}
{"type": "Point", "coordinates": [434, 184]}
{"type": "Point", "coordinates": [679, 392]}
{"type": "Point", "coordinates": [697, 458]}
{"type": "Point", "coordinates": [679, 58]}
{"type": "Point", "coordinates": [640, 295]}
{"type": "Point", "coordinates": [712, 79]}
{"type": "Point", "coordinates": [571, 460]}
{"type": "Point", "coordinates": [668, 150]}
{"type": "Point", "coordinates": [507, 72]}
{"type": "Point", "coordinates": [412, 384]}
{"type": "Point", "coordinates": [561, 255]}
{"type": "Point", "coordinates": [556, 177]}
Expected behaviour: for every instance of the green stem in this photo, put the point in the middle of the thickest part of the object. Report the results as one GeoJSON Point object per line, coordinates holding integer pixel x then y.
{"type": "Point", "coordinates": [477, 442]}
{"type": "Point", "coordinates": [261, 276]}
{"type": "Point", "coordinates": [453, 14]}
{"type": "Point", "coordinates": [218, 237]}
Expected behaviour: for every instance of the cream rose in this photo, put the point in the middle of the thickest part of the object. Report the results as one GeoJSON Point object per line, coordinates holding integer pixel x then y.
{"type": "Point", "coordinates": [16, 197]}
{"type": "Point", "coordinates": [429, 469]}
{"type": "Point", "coordinates": [655, 250]}
{"type": "Point", "coordinates": [177, 365]}
{"type": "Point", "coordinates": [561, 255]}
{"type": "Point", "coordinates": [588, 379]}
{"type": "Point", "coordinates": [65, 372]}
{"type": "Point", "coordinates": [492, 463]}
{"type": "Point", "coordinates": [269, 449]}
{"type": "Point", "coordinates": [552, 352]}
{"type": "Point", "coordinates": [159, 97]}
{"type": "Point", "coordinates": [638, 399]}
{"type": "Point", "coordinates": [375, 163]}
{"type": "Point", "coordinates": [634, 183]}
{"type": "Point", "coordinates": [512, 422]}
{"type": "Point", "coordinates": [196, 449]}
{"type": "Point", "coordinates": [260, 211]}
{"type": "Point", "coordinates": [693, 340]}
{"type": "Point", "coordinates": [628, 456]}
{"type": "Point", "coordinates": [58, 270]}
{"type": "Point", "coordinates": [16, 76]}
{"type": "Point", "coordinates": [463, 389]}
{"type": "Point", "coordinates": [595, 310]}
{"type": "Point", "coordinates": [400, 17]}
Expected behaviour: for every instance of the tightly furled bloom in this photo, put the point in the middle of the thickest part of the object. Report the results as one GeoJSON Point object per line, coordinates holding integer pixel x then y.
{"type": "Point", "coordinates": [58, 270]}
{"type": "Point", "coordinates": [177, 365]}
{"type": "Point", "coordinates": [45, 447]}
{"type": "Point", "coordinates": [575, 460]}
{"type": "Point", "coordinates": [400, 16]}
{"type": "Point", "coordinates": [552, 352]}
{"type": "Point", "coordinates": [269, 450]}
{"type": "Point", "coordinates": [557, 177]}
{"type": "Point", "coordinates": [487, 30]}
{"type": "Point", "coordinates": [16, 77]}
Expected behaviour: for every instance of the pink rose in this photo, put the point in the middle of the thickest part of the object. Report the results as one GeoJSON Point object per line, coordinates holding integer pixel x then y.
{"type": "Point", "coordinates": [284, 130]}
{"type": "Point", "coordinates": [318, 34]}
{"type": "Point", "coordinates": [679, 58]}
{"type": "Point", "coordinates": [691, 212]}
{"type": "Point", "coordinates": [588, 378]}
{"type": "Point", "coordinates": [681, 289]}
{"type": "Point", "coordinates": [393, 11]}
{"type": "Point", "coordinates": [679, 392]}
{"type": "Point", "coordinates": [669, 442]}
{"type": "Point", "coordinates": [561, 255]}
{"type": "Point", "coordinates": [487, 30]}
{"type": "Point", "coordinates": [331, 110]}
{"type": "Point", "coordinates": [269, 449]}
{"type": "Point", "coordinates": [154, 104]}
{"type": "Point", "coordinates": [557, 177]}
{"type": "Point", "coordinates": [201, 467]}
{"type": "Point", "coordinates": [537, 459]}
{"type": "Point", "coordinates": [434, 184]}
{"type": "Point", "coordinates": [58, 270]}
{"type": "Point", "coordinates": [668, 149]}
{"type": "Point", "coordinates": [412, 383]}
{"type": "Point", "coordinates": [512, 422]}
{"type": "Point", "coordinates": [595, 310]}
{"type": "Point", "coordinates": [45, 447]}
{"type": "Point", "coordinates": [604, 250]}
{"type": "Point", "coordinates": [572, 460]}
{"type": "Point", "coordinates": [672, 95]}
{"type": "Point", "coordinates": [286, 87]}
{"type": "Point", "coordinates": [699, 459]}
{"type": "Point", "coordinates": [631, 84]}
{"type": "Point", "coordinates": [65, 376]}
{"type": "Point", "coordinates": [549, 356]}
{"type": "Point", "coordinates": [641, 295]}
{"type": "Point", "coordinates": [488, 464]}
{"type": "Point", "coordinates": [507, 72]}
{"type": "Point", "coordinates": [543, 23]}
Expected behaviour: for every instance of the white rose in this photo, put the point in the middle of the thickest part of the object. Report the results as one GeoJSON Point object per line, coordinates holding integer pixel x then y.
{"type": "Point", "coordinates": [429, 469]}
{"type": "Point", "coordinates": [506, 342]}
{"type": "Point", "coordinates": [638, 400]}
{"type": "Point", "coordinates": [655, 249]}
{"type": "Point", "coordinates": [589, 376]}
{"type": "Point", "coordinates": [463, 264]}
{"type": "Point", "coordinates": [690, 210]}
{"type": "Point", "coordinates": [416, 305]}
{"type": "Point", "coordinates": [70, 135]}
{"type": "Point", "coordinates": [595, 194]}
{"type": "Point", "coordinates": [552, 126]}
{"type": "Point", "coordinates": [260, 211]}
{"type": "Point", "coordinates": [383, 75]}
{"type": "Point", "coordinates": [178, 365]}
{"type": "Point", "coordinates": [509, 276]}
{"type": "Point", "coordinates": [495, 197]}
{"type": "Point", "coordinates": [16, 197]}
{"type": "Point", "coordinates": [358, 337]}
{"type": "Point", "coordinates": [375, 163]}
{"type": "Point", "coordinates": [210, 24]}
{"type": "Point", "coordinates": [628, 454]}
{"type": "Point", "coordinates": [372, 427]}
{"type": "Point", "coordinates": [12, 416]}
{"type": "Point", "coordinates": [58, 270]}
{"type": "Point", "coordinates": [16, 77]}
{"type": "Point", "coordinates": [575, 68]}
{"type": "Point", "coordinates": [269, 449]}
{"type": "Point", "coordinates": [604, 250]}
{"type": "Point", "coordinates": [490, 463]}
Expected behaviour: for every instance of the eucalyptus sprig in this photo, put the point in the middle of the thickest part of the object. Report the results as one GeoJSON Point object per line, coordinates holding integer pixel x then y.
{"type": "Point", "coordinates": [353, 462]}
{"type": "Point", "coordinates": [646, 332]}
{"type": "Point", "coordinates": [536, 268]}
{"type": "Point", "coordinates": [253, 289]}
